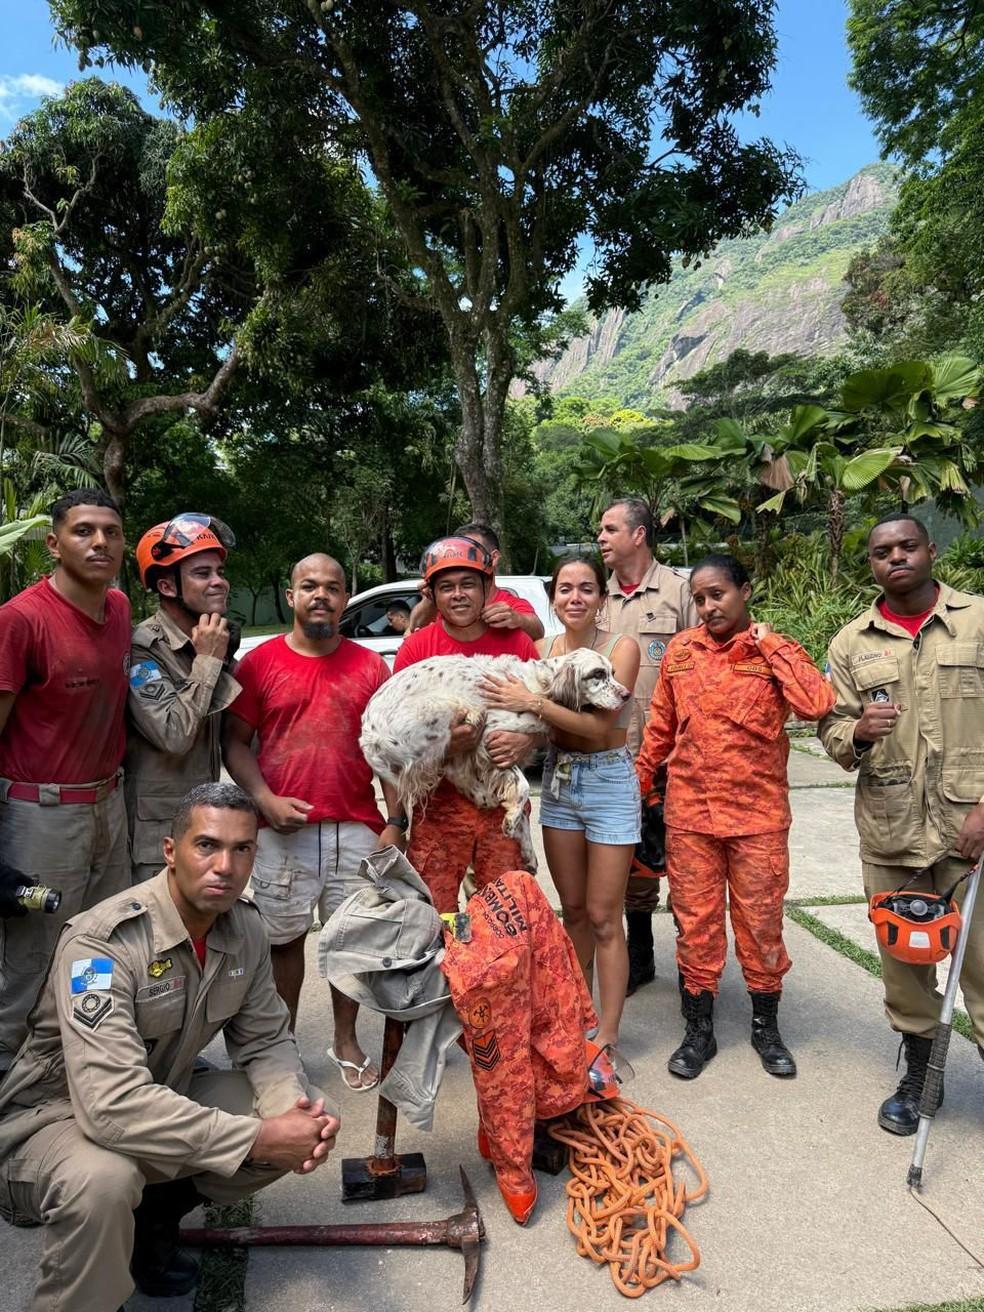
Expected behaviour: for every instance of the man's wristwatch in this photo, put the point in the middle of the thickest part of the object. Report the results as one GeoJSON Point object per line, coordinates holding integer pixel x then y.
{"type": "Point", "coordinates": [401, 822]}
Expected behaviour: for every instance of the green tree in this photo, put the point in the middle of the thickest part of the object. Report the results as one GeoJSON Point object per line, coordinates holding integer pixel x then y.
{"type": "Point", "coordinates": [498, 133]}
{"type": "Point", "coordinates": [919, 67]}
{"type": "Point", "coordinates": [182, 274]}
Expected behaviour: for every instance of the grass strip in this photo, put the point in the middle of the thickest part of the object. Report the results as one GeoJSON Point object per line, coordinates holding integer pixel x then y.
{"type": "Point", "coordinates": [961, 1305]}
{"type": "Point", "coordinates": [223, 1283]}
{"type": "Point", "coordinates": [828, 900]}
{"type": "Point", "coordinates": [868, 961]}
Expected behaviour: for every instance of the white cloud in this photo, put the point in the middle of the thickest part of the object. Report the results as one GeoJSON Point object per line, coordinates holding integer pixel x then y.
{"type": "Point", "coordinates": [19, 92]}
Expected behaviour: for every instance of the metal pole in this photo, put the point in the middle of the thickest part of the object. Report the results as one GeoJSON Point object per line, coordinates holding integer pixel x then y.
{"type": "Point", "coordinates": [937, 1058]}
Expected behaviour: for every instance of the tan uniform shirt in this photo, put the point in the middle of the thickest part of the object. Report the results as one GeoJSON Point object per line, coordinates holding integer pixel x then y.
{"type": "Point", "coordinates": [660, 607]}
{"type": "Point", "coordinates": [125, 1011]}
{"type": "Point", "coordinates": [173, 710]}
{"type": "Point", "coordinates": [916, 786]}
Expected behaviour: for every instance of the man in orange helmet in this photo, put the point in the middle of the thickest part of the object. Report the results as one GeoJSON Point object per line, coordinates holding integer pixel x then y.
{"type": "Point", "coordinates": [64, 655]}
{"type": "Point", "coordinates": [179, 677]}
{"type": "Point", "coordinates": [451, 832]}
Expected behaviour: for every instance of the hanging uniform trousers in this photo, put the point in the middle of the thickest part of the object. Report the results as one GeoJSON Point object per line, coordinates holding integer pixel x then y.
{"type": "Point", "coordinates": [521, 998]}
{"type": "Point", "coordinates": [716, 721]}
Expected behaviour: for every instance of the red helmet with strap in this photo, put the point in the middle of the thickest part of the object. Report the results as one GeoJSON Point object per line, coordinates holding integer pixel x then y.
{"type": "Point", "coordinates": [919, 928]}
{"type": "Point", "coordinates": [455, 553]}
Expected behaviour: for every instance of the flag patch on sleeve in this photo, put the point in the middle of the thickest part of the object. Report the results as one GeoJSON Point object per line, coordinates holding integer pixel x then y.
{"type": "Point", "coordinates": [92, 973]}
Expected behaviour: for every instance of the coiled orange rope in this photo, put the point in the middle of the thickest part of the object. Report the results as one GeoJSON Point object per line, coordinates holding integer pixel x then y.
{"type": "Point", "coordinates": [623, 1203]}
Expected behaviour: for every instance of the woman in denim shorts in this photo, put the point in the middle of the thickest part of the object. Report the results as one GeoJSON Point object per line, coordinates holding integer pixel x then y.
{"type": "Point", "coordinates": [589, 807]}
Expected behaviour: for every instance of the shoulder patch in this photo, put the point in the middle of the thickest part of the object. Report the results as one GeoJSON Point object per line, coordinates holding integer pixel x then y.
{"type": "Point", "coordinates": [92, 1009]}
{"type": "Point", "coordinates": [143, 673]}
{"type": "Point", "coordinates": [91, 973]}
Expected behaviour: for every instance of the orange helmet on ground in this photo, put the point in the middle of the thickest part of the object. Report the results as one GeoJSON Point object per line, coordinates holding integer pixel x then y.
{"type": "Point", "coordinates": [455, 553]}
{"type": "Point", "coordinates": [186, 535]}
{"type": "Point", "coordinates": [920, 928]}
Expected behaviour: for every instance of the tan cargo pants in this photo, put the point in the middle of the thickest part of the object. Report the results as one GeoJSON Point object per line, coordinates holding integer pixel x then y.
{"type": "Point", "coordinates": [912, 1000]}
{"type": "Point", "coordinates": [84, 1195]}
{"type": "Point", "coordinates": [79, 849]}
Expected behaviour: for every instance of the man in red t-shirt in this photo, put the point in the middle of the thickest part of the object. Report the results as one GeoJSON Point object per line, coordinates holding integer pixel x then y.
{"type": "Point", "coordinates": [503, 609]}
{"type": "Point", "coordinates": [64, 657]}
{"type": "Point", "coordinates": [303, 696]}
{"type": "Point", "coordinates": [452, 833]}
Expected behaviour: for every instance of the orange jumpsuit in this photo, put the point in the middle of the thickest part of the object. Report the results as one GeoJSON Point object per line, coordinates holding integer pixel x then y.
{"type": "Point", "coordinates": [450, 834]}
{"type": "Point", "coordinates": [716, 721]}
{"type": "Point", "coordinates": [520, 994]}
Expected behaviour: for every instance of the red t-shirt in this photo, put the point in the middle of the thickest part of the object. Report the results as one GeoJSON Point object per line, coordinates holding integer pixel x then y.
{"type": "Point", "coordinates": [434, 640]}
{"type": "Point", "coordinates": [307, 712]}
{"type": "Point", "coordinates": [519, 604]}
{"type": "Point", "coordinates": [911, 623]}
{"type": "Point", "coordinates": [70, 676]}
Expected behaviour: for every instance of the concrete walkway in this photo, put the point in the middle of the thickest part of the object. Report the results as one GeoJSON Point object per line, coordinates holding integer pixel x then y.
{"type": "Point", "coordinates": [808, 1208]}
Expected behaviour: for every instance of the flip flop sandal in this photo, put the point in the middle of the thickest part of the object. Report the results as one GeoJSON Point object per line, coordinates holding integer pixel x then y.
{"type": "Point", "coordinates": [344, 1066]}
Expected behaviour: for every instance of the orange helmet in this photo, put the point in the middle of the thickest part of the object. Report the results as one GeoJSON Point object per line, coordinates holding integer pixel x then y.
{"type": "Point", "coordinates": [920, 928]}
{"type": "Point", "coordinates": [455, 553]}
{"type": "Point", "coordinates": [607, 1072]}
{"type": "Point", "coordinates": [186, 535]}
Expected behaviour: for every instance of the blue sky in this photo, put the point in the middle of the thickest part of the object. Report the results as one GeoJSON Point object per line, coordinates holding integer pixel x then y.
{"type": "Point", "coordinates": [809, 108]}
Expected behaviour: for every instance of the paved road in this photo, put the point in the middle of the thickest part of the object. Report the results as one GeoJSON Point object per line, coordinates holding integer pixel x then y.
{"type": "Point", "coordinates": [808, 1210]}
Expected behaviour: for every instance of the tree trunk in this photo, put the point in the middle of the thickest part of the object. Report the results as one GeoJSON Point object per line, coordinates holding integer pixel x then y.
{"type": "Point", "coordinates": [386, 549]}
{"type": "Point", "coordinates": [114, 464]}
{"type": "Point", "coordinates": [478, 450]}
{"type": "Point", "coordinates": [835, 531]}
{"type": "Point", "coordinates": [278, 598]}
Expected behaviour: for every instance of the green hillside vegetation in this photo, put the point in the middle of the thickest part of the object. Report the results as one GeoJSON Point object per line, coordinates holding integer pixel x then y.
{"type": "Point", "coordinates": [749, 273]}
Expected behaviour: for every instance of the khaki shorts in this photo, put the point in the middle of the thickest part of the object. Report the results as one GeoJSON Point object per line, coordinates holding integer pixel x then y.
{"type": "Point", "coordinates": [315, 867]}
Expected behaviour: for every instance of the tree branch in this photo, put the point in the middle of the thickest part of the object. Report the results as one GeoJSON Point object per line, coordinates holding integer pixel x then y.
{"type": "Point", "coordinates": [204, 403]}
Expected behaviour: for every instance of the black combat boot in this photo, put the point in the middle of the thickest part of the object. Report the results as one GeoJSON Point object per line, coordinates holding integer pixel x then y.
{"type": "Point", "coordinates": [766, 1039]}
{"type": "Point", "coordinates": [699, 1044]}
{"type": "Point", "coordinates": [899, 1114]}
{"type": "Point", "coordinates": [642, 958]}
{"type": "Point", "coordinates": [158, 1267]}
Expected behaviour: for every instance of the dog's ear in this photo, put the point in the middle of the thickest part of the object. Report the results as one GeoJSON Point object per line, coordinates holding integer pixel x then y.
{"type": "Point", "coordinates": [565, 689]}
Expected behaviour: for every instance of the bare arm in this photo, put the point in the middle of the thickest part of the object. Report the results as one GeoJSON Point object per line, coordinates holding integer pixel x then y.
{"type": "Point", "coordinates": [594, 725]}
{"type": "Point", "coordinates": [285, 814]}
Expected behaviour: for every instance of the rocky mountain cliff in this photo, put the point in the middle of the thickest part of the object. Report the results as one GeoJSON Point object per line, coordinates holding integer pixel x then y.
{"type": "Point", "coordinates": [778, 291]}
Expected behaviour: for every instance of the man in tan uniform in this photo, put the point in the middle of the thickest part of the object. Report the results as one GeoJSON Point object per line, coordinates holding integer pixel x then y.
{"type": "Point", "coordinates": [909, 678]}
{"type": "Point", "coordinates": [179, 678]}
{"type": "Point", "coordinates": [102, 1115]}
{"type": "Point", "coordinates": [649, 602]}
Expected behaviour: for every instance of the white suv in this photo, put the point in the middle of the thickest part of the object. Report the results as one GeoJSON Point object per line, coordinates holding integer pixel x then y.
{"type": "Point", "coordinates": [364, 620]}
{"type": "Point", "coordinates": [365, 616]}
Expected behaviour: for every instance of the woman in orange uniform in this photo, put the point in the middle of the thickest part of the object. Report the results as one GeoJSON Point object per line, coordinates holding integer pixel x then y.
{"type": "Point", "coordinates": [724, 693]}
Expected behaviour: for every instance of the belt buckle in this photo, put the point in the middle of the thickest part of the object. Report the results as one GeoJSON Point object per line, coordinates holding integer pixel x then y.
{"type": "Point", "coordinates": [49, 795]}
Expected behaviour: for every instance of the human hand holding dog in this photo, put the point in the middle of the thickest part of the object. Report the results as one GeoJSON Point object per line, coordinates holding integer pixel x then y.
{"type": "Point", "coordinates": [509, 694]}
{"type": "Point", "coordinates": [507, 749]}
{"type": "Point", "coordinates": [464, 735]}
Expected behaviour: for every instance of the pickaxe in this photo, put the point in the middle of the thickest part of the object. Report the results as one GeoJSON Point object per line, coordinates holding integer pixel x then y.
{"type": "Point", "coordinates": [464, 1230]}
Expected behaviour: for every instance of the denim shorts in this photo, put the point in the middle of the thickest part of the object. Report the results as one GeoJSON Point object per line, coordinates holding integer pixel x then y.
{"type": "Point", "coordinates": [595, 792]}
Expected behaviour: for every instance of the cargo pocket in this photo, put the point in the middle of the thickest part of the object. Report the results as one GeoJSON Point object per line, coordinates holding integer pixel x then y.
{"type": "Point", "coordinates": [159, 1016]}
{"type": "Point", "coordinates": [963, 775]}
{"type": "Point", "coordinates": [152, 826]}
{"type": "Point", "coordinates": [754, 706]}
{"type": "Point", "coordinates": [225, 999]}
{"type": "Point", "coordinates": [888, 814]}
{"type": "Point", "coordinates": [960, 666]}
{"type": "Point", "coordinates": [871, 675]}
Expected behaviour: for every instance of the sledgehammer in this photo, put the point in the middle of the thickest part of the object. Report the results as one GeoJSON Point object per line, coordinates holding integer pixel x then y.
{"type": "Point", "coordinates": [464, 1231]}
